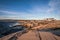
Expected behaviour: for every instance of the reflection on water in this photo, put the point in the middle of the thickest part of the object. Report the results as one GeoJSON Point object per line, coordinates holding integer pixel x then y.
{"type": "Point", "coordinates": [55, 31]}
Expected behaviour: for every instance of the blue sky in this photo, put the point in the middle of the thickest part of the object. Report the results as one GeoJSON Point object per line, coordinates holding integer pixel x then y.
{"type": "Point", "coordinates": [29, 9]}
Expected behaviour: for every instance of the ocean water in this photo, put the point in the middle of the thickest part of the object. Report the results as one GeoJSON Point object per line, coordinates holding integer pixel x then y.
{"type": "Point", "coordinates": [8, 28]}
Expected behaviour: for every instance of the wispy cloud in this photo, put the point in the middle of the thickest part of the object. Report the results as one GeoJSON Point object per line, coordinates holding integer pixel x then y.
{"type": "Point", "coordinates": [54, 5]}
{"type": "Point", "coordinates": [15, 15]}
{"type": "Point", "coordinates": [52, 9]}
{"type": "Point", "coordinates": [8, 12]}
{"type": "Point", "coordinates": [39, 9]}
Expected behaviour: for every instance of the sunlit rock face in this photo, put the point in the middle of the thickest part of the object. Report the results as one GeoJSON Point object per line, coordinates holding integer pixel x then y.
{"type": "Point", "coordinates": [41, 24]}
